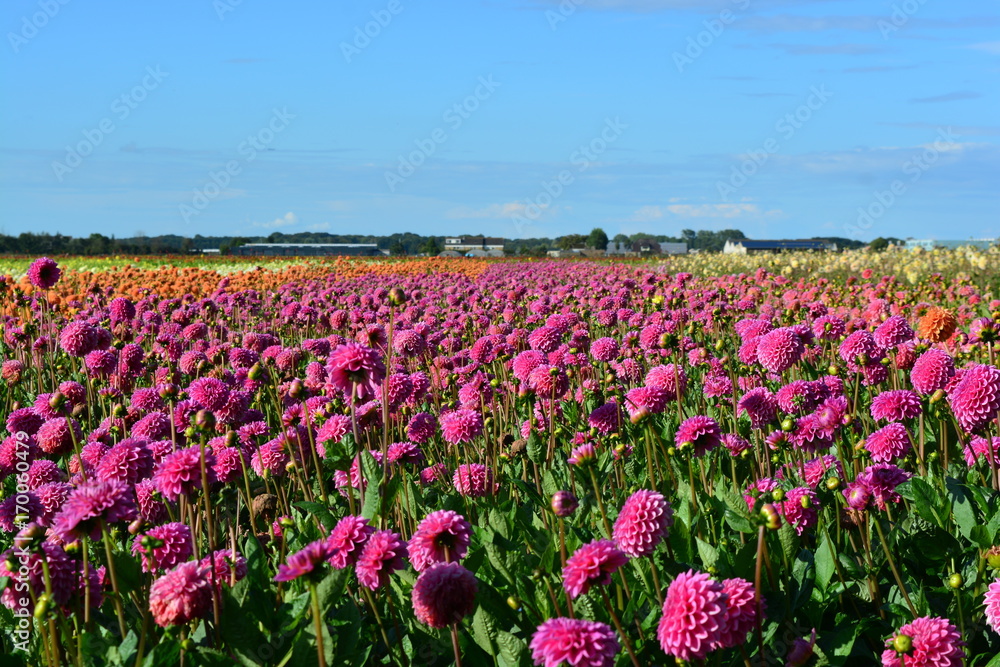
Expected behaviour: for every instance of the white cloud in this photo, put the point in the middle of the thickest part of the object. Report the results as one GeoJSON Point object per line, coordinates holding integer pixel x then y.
{"type": "Point", "coordinates": [492, 211]}
{"type": "Point", "coordinates": [992, 48]}
{"type": "Point", "coordinates": [286, 220]}
{"type": "Point", "coordinates": [652, 213]}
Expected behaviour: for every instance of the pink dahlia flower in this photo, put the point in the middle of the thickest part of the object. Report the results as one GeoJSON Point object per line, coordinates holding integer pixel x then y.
{"type": "Point", "coordinates": [670, 377]}
{"type": "Point", "coordinates": [894, 331]}
{"type": "Point", "coordinates": [474, 480]}
{"type": "Point", "coordinates": [346, 541]}
{"type": "Point", "coordinates": [461, 426]}
{"type": "Point", "coordinates": [357, 368]}
{"type": "Point", "coordinates": [90, 504]}
{"type": "Point", "coordinates": [694, 616]}
{"type": "Point", "coordinates": [897, 405]}
{"type": "Point", "coordinates": [44, 273]}
{"type": "Point", "coordinates": [760, 405]}
{"type": "Point", "coordinates": [975, 400]}
{"type": "Point", "coordinates": [889, 443]}
{"type": "Point", "coordinates": [574, 642]}
{"type": "Point", "coordinates": [181, 595]}
{"type": "Point", "coordinates": [163, 547]}
{"type": "Point", "coordinates": [702, 432]}
{"type": "Point", "coordinates": [444, 593]}
{"type": "Point", "coordinates": [778, 350]}
{"type": "Point", "coordinates": [179, 473]}
{"type": "Point", "coordinates": [992, 603]}
{"type": "Point", "coordinates": [606, 418]}
{"type": "Point", "coordinates": [643, 522]}
{"type": "Point", "coordinates": [741, 612]}
{"type": "Point", "coordinates": [384, 552]}
{"type": "Point", "coordinates": [592, 564]}
{"type": "Point", "coordinates": [800, 509]}
{"type": "Point", "coordinates": [931, 371]}
{"type": "Point", "coordinates": [442, 536]}
{"type": "Point", "coordinates": [934, 641]}
{"type": "Point", "coordinates": [304, 561]}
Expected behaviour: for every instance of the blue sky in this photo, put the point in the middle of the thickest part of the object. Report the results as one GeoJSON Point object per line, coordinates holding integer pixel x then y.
{"type": "Point", "coordinates": [523, 118]}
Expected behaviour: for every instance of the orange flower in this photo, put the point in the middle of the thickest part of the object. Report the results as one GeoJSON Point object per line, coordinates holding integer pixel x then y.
{"type": "Point", "coordinates": [937, 325]}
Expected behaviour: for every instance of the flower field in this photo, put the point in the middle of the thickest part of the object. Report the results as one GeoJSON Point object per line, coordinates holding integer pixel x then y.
{"type": "Point", "coordinates": [713, 460]}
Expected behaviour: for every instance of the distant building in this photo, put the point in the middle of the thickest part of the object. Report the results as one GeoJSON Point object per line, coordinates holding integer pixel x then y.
{"type": "Point", "coordinates": [645, 247]}
{"type": "Point", "coordinates": [306, 249]}
{"type": "Point", "coordinates": [575, 252]}
{"type": "Point", "coordinates": [749, 247]}
{"type": "Point", "coordinates": [931, 244]}
{"type": "Point", "coordinates": [465, 244]}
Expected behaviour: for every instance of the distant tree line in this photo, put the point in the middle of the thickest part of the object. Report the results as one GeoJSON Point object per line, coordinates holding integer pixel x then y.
{"type": "Point", "coordinates": [406, 243]}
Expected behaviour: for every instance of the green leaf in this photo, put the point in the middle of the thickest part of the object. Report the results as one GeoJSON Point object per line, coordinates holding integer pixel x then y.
{"type": "Point", "coordinates": [536, 452]}
{"type": "Point", "coordinates": [962, 510]}
{"type": "Point", "coordinates": [789, 540]}
{"type": "Point", "coordinates": [128, 572]}
{"type": "Point", "coordinates": [321, 511]}
{"type": "Point", "coordinates": [826, 566]}
{"type": "Point", "coordinates": [513, 650]}
{"type": "Point", "coordinates": [926, 500]}
{"type": "Point", "coordinates": [165, 654]}
{"type": "Point", "coordinates": [484, 630]}
{"type": "Point", "coordinates": [709, 554]}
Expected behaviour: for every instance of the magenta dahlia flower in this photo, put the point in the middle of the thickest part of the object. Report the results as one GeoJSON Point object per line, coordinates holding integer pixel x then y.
{"type": "Point", "coordinates": [701, 431]}
{"type": "Point", "coordinates": [304, 561]}
{"type": "Point", "coordinates": [474, 480]}
{"type": "Point", "coordinates": [384, 552]}
{"type": "Point", "coordinates": [741, 612]}
{"type": "Point", "coordinates": [461, 426]}
{"type": "Point", "coordinates": [694, 616]}
{"type": "Point", "coordinates": [801, 509]}
{"type": "Point", "coordinates": [889, 443]}
{"type": "Point", "coordinates": [44, 273]}
{"type": "Point", "coordinates": [760, 405]}
{"type": "Point", "coordinates": [179, 473]}
{"type": "Point", "coordinates": [778, 350]}
{"type": "Point", "coordinates": [346, 541]}
{"type": "Point", "coordinates": [931, 371]}
{"type": "Point", "coordinates": [444, 593]}
{"type": "Point", "coordinates": [992, 603]}
{"type": "Point", "coordinates": [210, 393]}
{"type": "Point", "coordinates": [590, 565]}
{"type": "Point", "coordinates": [897, 405]}
{"type": "Point", "coordinates": [933, 642]}
{"type": "Point", "coordinates": [975, 400]}
{"type": "Point", "coordinates": [574, 642]}
{"type": "Point", "coordinates": [893, 332]}
{"type": "Point", "coordinates": [606, 418]}
{"type": "Point", "coordinates": [357, 368]}
{"type": "Point", "coordinates": [181, 595]}
{"type": "Point", "coordinates": [643, 523]}
{"type": "Point", "coordinates": [163, 547]}
{"type": "Point", "coordinates": [442, 536]}
{"type": "Point", "coordinates": [90, 504]}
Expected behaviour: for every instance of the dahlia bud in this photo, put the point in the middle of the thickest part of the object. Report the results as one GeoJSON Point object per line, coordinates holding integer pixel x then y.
{"type": "Point", "coordinates": [119, 411]}
{"type": "Point", "coordinates": [770, 516]}
{"type": "Point", "coordinates": [902, 643]}
{"type": "Point", "coordinates": [955, 581]}
{"type": "Point", "coordinates": [168, 391]}
{"type": "Point", "coordinates": [296, 389]}
{"type": "Point", "coordinates": [136, 526]}
{"type": "Point", "coordinates": [657, 300]}
{"type": "Point", "coordinates": [286, 522]}
{"type": "Point", "coordinates": [640, 415]}
{"type": "Point", "coordinates": [937, 396]}
{"type": "Point", "coordinates": [833, 370]}
{"type": "Point", "coordinates": [787, 424]}
{"type": "Point", "coordinates": [719, 345]}
{"type": "Point", "coordinates": [42, 606]}
{"type": "Point", "coordinates": [832, 483]}
{"type": "Point", "coordinates": [992, 557]}
{"type": "Point", "coordinates": [564, 503]}
{"type": "Point", "coordinates": [204, 420]}
{"type": "Point", "coordinates": [778, 495]}
{"type": "Point", "coordinates": [57, 400]}
{"type": "Point", "coordinates": [514, 603]}
{"type": "Point", "coordinates": [256, 372]}
{"type": "Point", "coordinates": [397, 296]}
